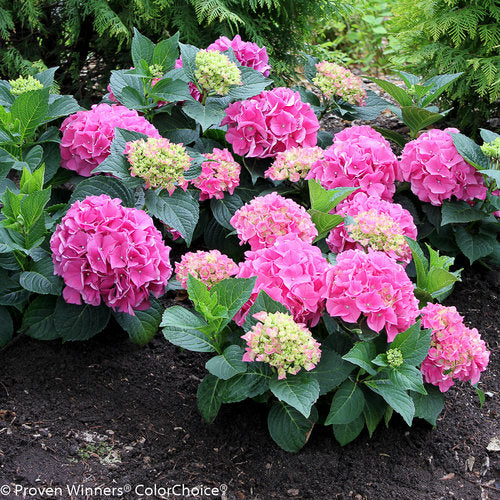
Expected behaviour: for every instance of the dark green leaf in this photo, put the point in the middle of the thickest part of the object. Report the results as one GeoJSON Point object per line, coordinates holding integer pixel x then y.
{"type": "Point", "coordinates": [228, 364]}
{"type": "Point", "coordinates": [61, 105]}
{"type": "Point", "coordinates": [474, 246]}
{"type": "Point", "coordinates": [142, 48]}
{"type": "Point", "coordinates": [362, 354]}
{"type": "Point", "coordinates": [188, 55]}
{"type": "Point", "coordinates": [6, 327]}
{"type": "Point", "coordinates": [166, 52]}
{"type": "Point", "coordinates": [254, 382]}
{"type": "Point", "coordinates": [133, 98]}
{"type": "Point", "coordinates": [373, 410]}
{"type": "Point", "coordinates": [30, 109]}
{"type": "Point", "coordinates": [121, 79]}
{"type": "Point", "coordinates": [40, 279]}
{"type": "Point", "coordinates": [419, 118]}
{"type": "Point", "coordinates": [300, 391]}
{"type": "Point", "coordinates": [79, 322]}
{"type": "Point", "coordinates": [171, 90]}
{"type": "Point", "coordinates": [289, 429]}
{"type": "Point", "coordinates": [397, 92]}
{"type": "Point", "coordinates": [347, 404]}
{"type": "Point", "coordinates": [407, 377]}
{"type": "Point", "coordinates": [331, 370]}
{"type": "Point", "coordinates": [420, 261]}
{"type": "Point", "coordinates": [143, 326]}
{"type": "Point", "coordinates": [488, 135]}
{"type": "Point", "coordinates": [398, 399]}
{"type": "Point", "coordinates": [225, 208]}
{"type": "Point", "coordinates": [254, 83]}
{"type": "Point", "coordinates": [38, 318]}
{"type": "Point", "coordinates": [46, 78]}
{"type": "Point", "coordinates": [179, 210]}
{"type": "Point", "coordinates": [263, 303]}
{"type": "Point", "coordinates": [492, 174]}
{"type": "Point", "coordinates": [98, 185]}
{"type": "Point", "coordinates": [460, 211]}
{"type": "Point", "coordinates": [34, 157]}
{"type": "Point", "coordinates": [429, 406]}
{"type": "Point", "coordinates": [393, 136]}
{"type": "Point", "coordinates": [470, 151]}
{"type": "Point", "coordinates": [439, 84]}
{"type": "Point", "coordinates": [208, 396]}
{"type": "Point", "coordinates": [212, 113]}
{"type": "Point", "coordinates": [345, 433]}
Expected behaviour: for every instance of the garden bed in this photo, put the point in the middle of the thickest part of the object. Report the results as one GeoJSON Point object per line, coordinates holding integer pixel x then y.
{"type": "Point", "coordinates": [109, 413]}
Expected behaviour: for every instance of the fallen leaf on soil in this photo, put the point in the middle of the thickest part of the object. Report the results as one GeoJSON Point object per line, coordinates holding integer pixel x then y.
{"type": "Point", "coordinates": [293, 493]}
{"type": "Point", "coordinates": [469, 463]}
{"type": "Point", "coordinates": [447, 477]}
{"type": "Point", "coordinates": [6, 414]}
{"type": "Point", "coordinates": [494, 444]}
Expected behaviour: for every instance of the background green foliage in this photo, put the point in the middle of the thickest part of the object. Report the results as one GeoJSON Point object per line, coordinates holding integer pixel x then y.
{"type": "Point", "coordinates": [88, 39]}
{"type": "Point", "coordinates": [450, 36]}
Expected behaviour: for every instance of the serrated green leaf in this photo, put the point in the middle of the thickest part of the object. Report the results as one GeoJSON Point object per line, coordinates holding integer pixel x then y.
{"type": "Point", "coordinates": [142, 48]}
{"type": "Point", "coordinates": [32, 206]}
{"type": "Point", "coordinates": [474, 246]}
{"type": "Point", "coordinates": [30, 108]}
{"type": "Point", "coordinates": [398, 399]}
{"type": "Point", "coordinates": [97, 185]}
{"type": "Point", "coordinates": [407, 377]}
{"type": "Point", "coordinates": [324, 200]}
{"type": "Point", "coordinates": [459, 212]}
{"type": "Point", "coordinates": [46, 78]}
{"type": "Point", "coordinates": [208, 397]}
{"type": "Point", "coordinates": [212, 113]}
{"type": "Point", "coordinates": [228, 364]}
{"type": "Point", "coordinates": [40, 279]}
{"type": "Point", "coordinates": [488, 135]}
{"type": "Point", "coordinates": [438, 280]}
{"type": "Point", "coordinates": [225, 208]}
{"type": "Point", "coordinates": [252, 383]}
{"type": "Point", "coordinates": [324, 222]}
{"type": "Point", "coordinates": [171, 90]}
{"type": "Point", "coordinates": [181, 328]}
{"type": "Point", "coordinates": [34, 157]}
{"type": "Point", "coordinates": [300, 391]}
{"type": "Point", "coordinates": [133, 98]}
{"type": "Point", "coordinates": [254, 82]}
{"type": "Point", "coordinates": [362, 354]}
{"type": "Point", "coordinates": [179, 210]}
{"type": "Point", "coordinates": [347, 404]}
{"type": "Point", "coordinates": [263, 303]}
{"type": "Point", "coordinates": [61, 105]}
{"type": "Point", "coordinates": [373, 410]}
{"type": "Point", "coordinates": [166, 52]}
{"type": "Point", "coordinates": [38, 318]}
{"type": "Point", "coordinates": [142, 327]}
{"type": "Point", "coordinates": [331, 370]}
{"type": "Point", "coordinates": [428, 406]}
{"type": "Point", "coordinates": [79, 322]}
{"type": "Point", "coordinates": [345, 433]}
{"type": "Point", "coordinates": [492, 174]}
{"type": "Point", "coordinates": [120, 79]}
{"type": "Point", "coordinates": [470, 151]}
{"type": "Point", "coordinates": [398, 93]}
{"type": "Point", "coordinates": [288, 428]}
{"type": "Point", "coordinates": [188, 55]}
{"type": "Point", "coordinates": [419, 118]}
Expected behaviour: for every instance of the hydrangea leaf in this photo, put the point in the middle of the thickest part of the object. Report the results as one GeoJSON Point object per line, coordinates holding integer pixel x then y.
{"type": "Point", "coordinates": [345, 433]}
{"type": "Point", "coordinates": [227, 364]}
{"type": "Point", "coordinates": [208, 396]}
{"type": "Point", "coordinates": [347, 404]}
{"type": "Point", "coordinates": [38, 318]}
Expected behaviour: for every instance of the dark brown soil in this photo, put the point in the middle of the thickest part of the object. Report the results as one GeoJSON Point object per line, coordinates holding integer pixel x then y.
{"type": "Point", "coordinates": [108, 413]}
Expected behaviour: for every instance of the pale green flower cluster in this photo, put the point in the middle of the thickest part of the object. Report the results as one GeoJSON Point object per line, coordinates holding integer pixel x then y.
{"type": "Point", "coordinates": [22, 85]}
{"type": "Point", "coordinates": [159, 162]}
{"type": "Point", "coordinates": [278, 340]}
{"type": "Point", "coordinates": [156, 70]}
{"type": "Point", "coordinates": [492, 149]}
{"type": "Point", "coordinates": [394, 358]}
{"type": "Point", "coordinates": [215, 72]}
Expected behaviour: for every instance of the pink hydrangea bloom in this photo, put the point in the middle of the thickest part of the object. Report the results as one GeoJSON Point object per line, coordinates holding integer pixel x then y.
{"type": "Point", "coordinates": [456, 352]}
{"type": "Point", "coordinates": [379, 224]}
{"type": "Point", "coordinates": [87, 135]}
{"type": "Point", "coordinates": [209, 267]}
{"type": "Point", "coordinates": [282, 343]}
{"type": "Point", "coordinates": [108, 252]}
{"type": "Point", "coordinates": [436, 171]}
{"type": "Point", "coordinates": [292, 272]}
{"type": "Point", "coordinates": [374, 286]}
{"type": "Point", "coordinates": [173, 232]}
{"type": "Point", "coordinates": [293, 164]}
{"type": "Point", "coordinates": [248, 54]}
{"type": "Point", "coordinates": [269, 123]}
{"type": "Point", "coordinates": [219, 174]}
{"type": "Point", "coordinates": [359, 157]}
{"type": "Point", "coordinates": [266, 218]}
{"type": "Point", "coordinates": [335, 80]}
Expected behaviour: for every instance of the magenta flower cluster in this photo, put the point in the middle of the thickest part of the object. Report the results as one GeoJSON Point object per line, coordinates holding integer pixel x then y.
{"type": "Point", "coordinates": [456, 352]}
{"type": "Point", "coordinates": [248, 54]}
{"type": "Point", "coordinates": [219, 174]}
{"type": "Point", "coordinates": [209, 267]}
{"type": "Point", "coordinates": [87, 135]}
{"type": "Point", "coordinates": [270, 123]}
{"type": "Point", "coordinates": [292, 272]}
{"type": "Point", "coordinates": [282, 343]}
{"type": "Point", "coordinates": [266, 218]}
{"type": "Point", "coordinates": [359, 157]}
{"type": "Point", "coordinates": [110, 253]}
{"type": "Point", "coordinates": [378, 224]}
{"type": "Point", "coordinates": [294, 163]}
{"type": "Point", "coordinates": [374, 286]}
{"type": "Point", "coordinates": [436, 171]}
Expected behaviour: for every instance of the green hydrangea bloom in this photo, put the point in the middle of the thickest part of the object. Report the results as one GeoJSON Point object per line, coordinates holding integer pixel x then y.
{"type": "Point", "coordinates": [394, 357]}
{"type": "Point", "coordinates": [22, 85]}
{"type": "Point", "coordinates": [492, 149]}
{"type": "Point", "coordinates": [159, 162]}
{"type": "Point", "coordinates": [215, 72]}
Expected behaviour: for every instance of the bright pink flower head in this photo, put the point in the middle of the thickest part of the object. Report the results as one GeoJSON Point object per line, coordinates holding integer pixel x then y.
{"type": "Point", "coordinates": [456, 352]}
{"type": "Point", "coordinates": [248, 54]}
{"type": "Point", "coordinates": [292, 272]}
{"type": "Point", "coordinates": [209, 267]}
{"type": "Point", "coordinates": [293, 164]}
{"type": "Point", "coordinates": [359, 157]}
{"type": "Point", "coordinates": [374, 286]}
{"type": "Point", "coordinates": [104, 251]}
{"type": "Point", "coordinates": [282, 343]}
{"type": "Point", "coordinates": [87, 135]}
{"type": "Point", "coordinates": [270, 123]}
{"type": "Point", "coordinates": [219, 174]}
{"type": "Point", "coordinates": [378, 224]}
{"type": "Point", "coordinates": [436, 171]}
{"type": "Point", "coordinates": [335, 80]}
{"type": "Point", "coordinates": [266, 218]}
